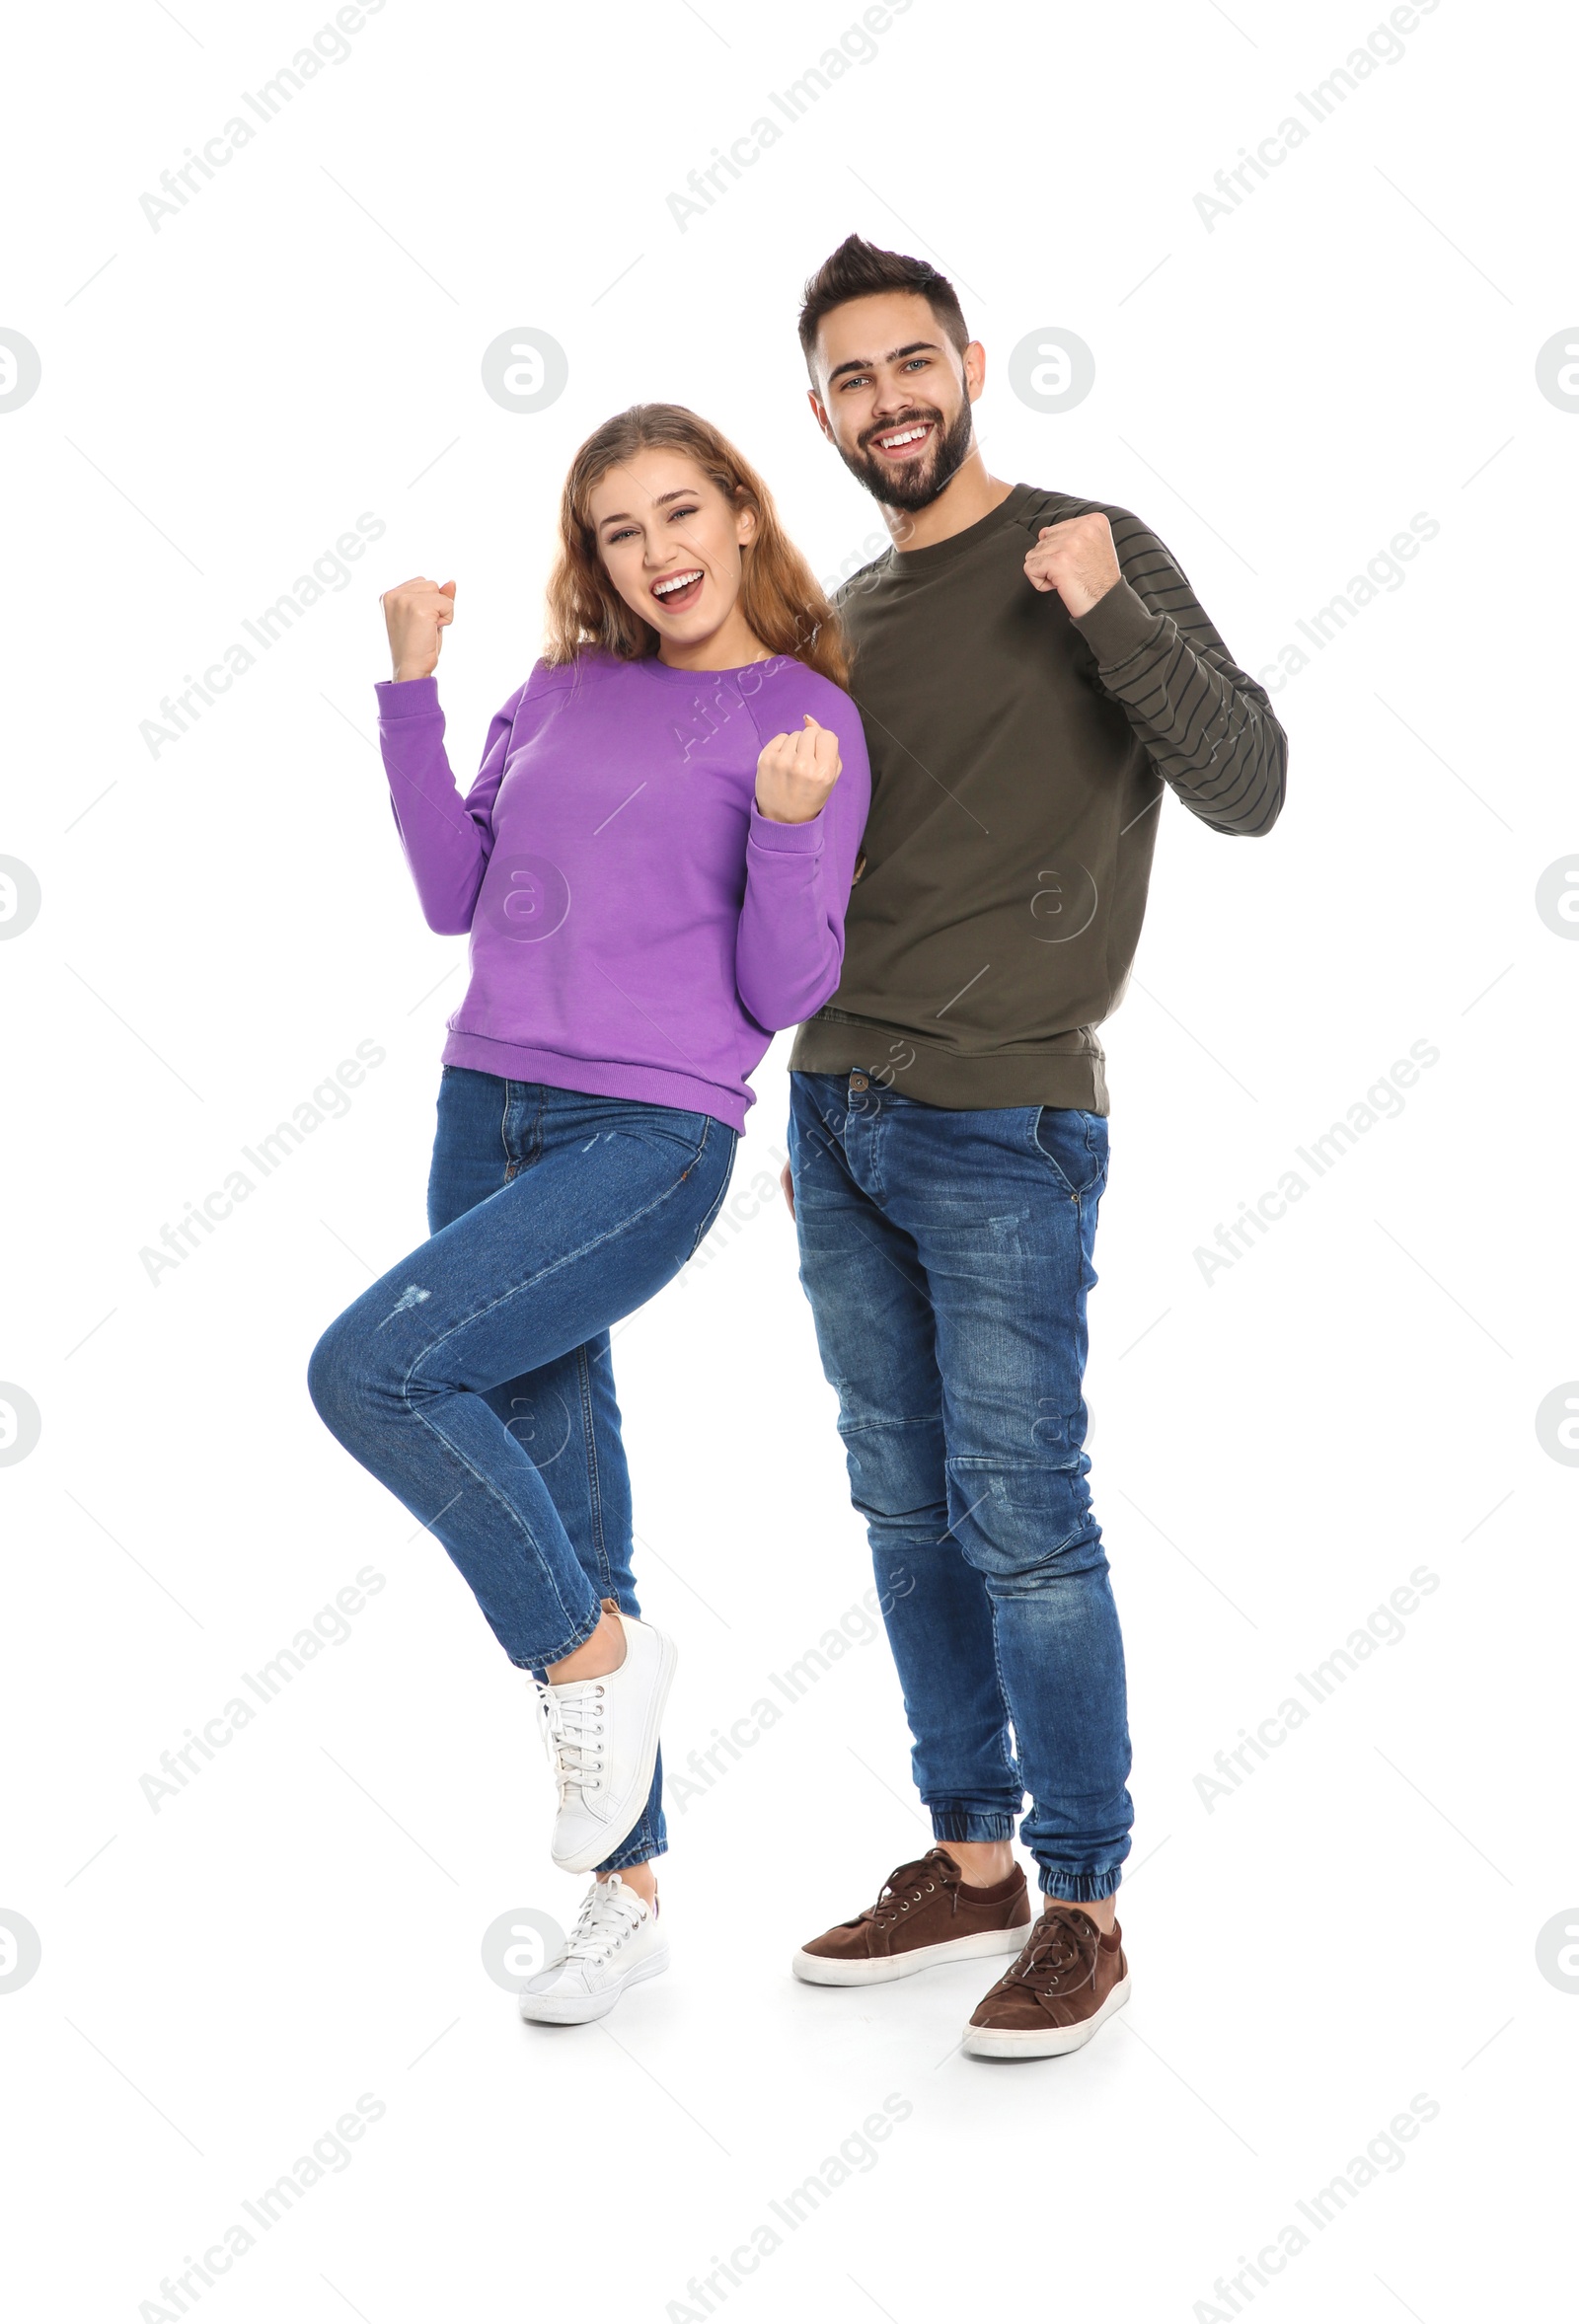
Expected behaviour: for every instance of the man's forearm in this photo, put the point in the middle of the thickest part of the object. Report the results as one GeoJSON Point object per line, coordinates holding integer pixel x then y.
{"type": "Point", "coordinates": [1208, 728]}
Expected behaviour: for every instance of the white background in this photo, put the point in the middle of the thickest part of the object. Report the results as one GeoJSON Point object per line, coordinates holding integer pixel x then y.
{"type": "Point", "coordinates": [1357, 1922]}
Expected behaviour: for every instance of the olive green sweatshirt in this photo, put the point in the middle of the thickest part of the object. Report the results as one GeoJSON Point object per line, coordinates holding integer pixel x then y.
{"type": "Point", "coordinates": [1019, 758]}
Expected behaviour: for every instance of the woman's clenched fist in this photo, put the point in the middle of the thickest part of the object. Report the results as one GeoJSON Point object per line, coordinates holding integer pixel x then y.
{"type": "Point", "coordinates": [416, 615]}
{"type": "Point", "coordinates": [796, 772]}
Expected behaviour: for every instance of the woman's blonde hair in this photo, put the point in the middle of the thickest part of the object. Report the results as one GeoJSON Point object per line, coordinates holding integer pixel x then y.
{"type": "Point", "coordinates": [780, 596]}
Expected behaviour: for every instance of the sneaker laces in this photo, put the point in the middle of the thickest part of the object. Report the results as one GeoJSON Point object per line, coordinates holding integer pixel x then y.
{"type": "Point", "coordinates": [574, 1738]}
{"type": "Point", "coordinates": [1060, 1955]}
{"type": "Point", "coordinates": [907, 1884]}
{"type": "Point", "coordinates": [610, 1912]}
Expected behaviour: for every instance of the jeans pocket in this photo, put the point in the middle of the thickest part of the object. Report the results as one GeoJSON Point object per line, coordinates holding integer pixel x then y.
{"type": "Point", "coordinates": [1075, 1145]}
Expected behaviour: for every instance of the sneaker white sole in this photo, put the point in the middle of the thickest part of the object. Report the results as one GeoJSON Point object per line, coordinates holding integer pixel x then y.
{"type": "Point", "coordinates": [609, 1836]}
{"type": "Point", "coordinates": [1056, 2041]}
{"type": "Point", "coordinates": [813, 1969]}
{"type": "Point", "coordinates": [582, 2008]}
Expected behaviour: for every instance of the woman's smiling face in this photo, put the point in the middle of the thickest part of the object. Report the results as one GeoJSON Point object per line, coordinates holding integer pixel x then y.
{"type": "Point", "coordinates": [671, 541]}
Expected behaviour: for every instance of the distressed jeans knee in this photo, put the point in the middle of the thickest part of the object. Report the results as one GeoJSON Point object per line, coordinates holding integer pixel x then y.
{"type": "Point", "coordinates": [361, 1385]}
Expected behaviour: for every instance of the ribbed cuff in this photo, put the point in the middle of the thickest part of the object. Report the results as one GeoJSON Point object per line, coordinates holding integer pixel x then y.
{"type": "Point", "coordinates": [1118, 624]}
{"type": "Point", "coordinates": [1077, 1888]}
{"type": "Point", "coordinates": [407, 698]}
{"type": "Point", "coordinates": [787, 839]}
{"type": "Point", "coordinates": [977, 1824]}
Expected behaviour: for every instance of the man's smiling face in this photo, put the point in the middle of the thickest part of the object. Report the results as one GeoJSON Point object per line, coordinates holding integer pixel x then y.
{"type": "Point", "coordinates": [894, 396]}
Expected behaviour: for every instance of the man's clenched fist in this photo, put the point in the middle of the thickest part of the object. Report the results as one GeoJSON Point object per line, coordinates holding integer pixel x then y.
{"type": "Point", "coordinates": [416, 615]}
{"type": "Point", "coordinates": [1077, 559]}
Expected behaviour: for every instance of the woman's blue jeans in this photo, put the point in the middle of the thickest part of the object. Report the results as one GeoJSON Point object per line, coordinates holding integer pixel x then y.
{"type": "Point", "coordinates": [947, 1256]}
{"type": "Point", "coordinates": [473, 1379]}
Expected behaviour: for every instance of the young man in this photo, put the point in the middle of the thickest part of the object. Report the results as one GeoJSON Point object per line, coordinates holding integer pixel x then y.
{"type": "Point", "coordinates": [1032, 670]}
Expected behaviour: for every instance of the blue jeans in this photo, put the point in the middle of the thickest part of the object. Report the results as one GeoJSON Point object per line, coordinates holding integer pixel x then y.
{"type": "Point", "coordinates": [473, 1379]}
{"type": "Point", "coordinates": [947, 1256]}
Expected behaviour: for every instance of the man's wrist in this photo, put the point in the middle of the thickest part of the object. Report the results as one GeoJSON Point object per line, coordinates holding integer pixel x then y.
{"type": "Point", "coordinates": [1090, 599]}
{"type": "Point", "coordinates": [1117, 624]}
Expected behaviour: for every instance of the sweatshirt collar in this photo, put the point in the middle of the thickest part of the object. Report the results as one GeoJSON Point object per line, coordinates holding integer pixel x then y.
{"type": "Point", "coordinates": [938, 554]}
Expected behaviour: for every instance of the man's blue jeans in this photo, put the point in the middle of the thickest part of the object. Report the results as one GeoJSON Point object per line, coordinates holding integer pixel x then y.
{"type": "Point", "coordinates": [474, 1380]}
{"type": "Point", "coordinates": [947, 1256]}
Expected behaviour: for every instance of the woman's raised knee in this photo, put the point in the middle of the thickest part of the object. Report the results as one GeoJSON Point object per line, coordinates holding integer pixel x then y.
{"type": "Point", "coordinates": [341, 1375]}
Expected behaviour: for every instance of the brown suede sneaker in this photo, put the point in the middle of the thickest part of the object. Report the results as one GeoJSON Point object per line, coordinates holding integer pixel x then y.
{"type": "Point", "coordinates": [1065, 1981]}
{"type": "Point", "coordinates": [923, 1915]}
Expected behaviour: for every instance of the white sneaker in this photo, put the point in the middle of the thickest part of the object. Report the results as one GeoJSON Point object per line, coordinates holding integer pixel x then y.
{"type": "Point", "coordinates": [602, 1739]}
{"type": "Point", "coordinates": [616, 1942]}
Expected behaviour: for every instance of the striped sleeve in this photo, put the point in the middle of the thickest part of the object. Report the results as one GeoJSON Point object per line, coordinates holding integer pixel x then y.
{"type": "Point", "coordinates": [1208, 728]}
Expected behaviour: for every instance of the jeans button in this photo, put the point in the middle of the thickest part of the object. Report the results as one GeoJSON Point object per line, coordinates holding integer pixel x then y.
{"type": "Point", "coordinates": [857, 1080]}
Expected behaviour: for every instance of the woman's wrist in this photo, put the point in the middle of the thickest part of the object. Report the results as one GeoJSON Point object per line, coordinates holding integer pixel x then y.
{"type": "Point", "coordinates": [768, 817]}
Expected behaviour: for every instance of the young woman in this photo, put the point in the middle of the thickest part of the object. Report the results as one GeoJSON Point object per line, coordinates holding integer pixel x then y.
{"type": "Point", "coordinates": [653, 865]}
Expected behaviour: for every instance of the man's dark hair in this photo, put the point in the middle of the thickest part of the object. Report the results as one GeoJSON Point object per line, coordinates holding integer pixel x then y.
{"type": "Point", "coordinates": [857, 270]}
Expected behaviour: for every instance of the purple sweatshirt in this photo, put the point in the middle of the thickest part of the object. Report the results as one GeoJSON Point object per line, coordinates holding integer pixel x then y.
{"type": "Point", "coordinates": [637, 929]}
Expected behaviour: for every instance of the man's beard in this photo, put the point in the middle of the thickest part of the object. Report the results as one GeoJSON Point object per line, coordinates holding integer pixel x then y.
{"type": "Point", "coordinates": [916, 486]}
